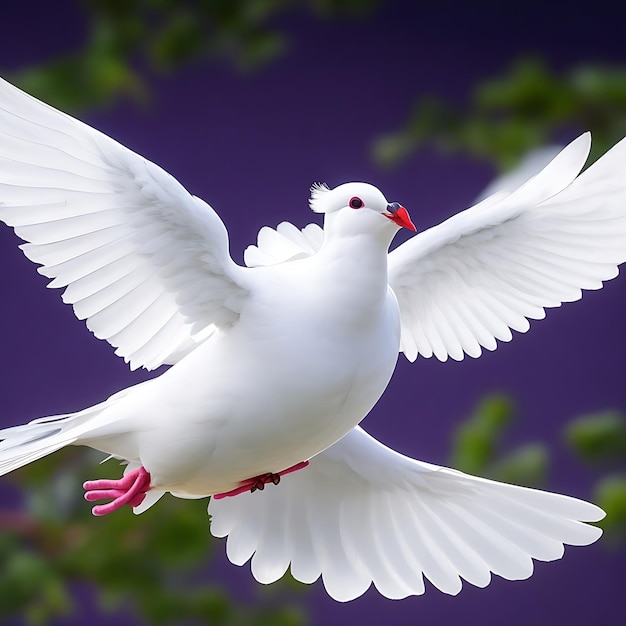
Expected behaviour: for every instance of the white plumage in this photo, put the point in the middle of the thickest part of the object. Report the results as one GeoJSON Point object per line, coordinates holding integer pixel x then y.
{"type": "Point", "coordinates": [361, 512]}
{"type": "Point", "coordinates": [276, 363]}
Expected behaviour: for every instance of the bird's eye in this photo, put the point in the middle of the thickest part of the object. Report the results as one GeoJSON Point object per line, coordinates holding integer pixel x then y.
{"type": "Point", "coordinates": [356, 203]}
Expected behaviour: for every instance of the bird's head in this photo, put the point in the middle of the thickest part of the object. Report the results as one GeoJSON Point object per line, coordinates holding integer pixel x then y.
{"type": "Point", "coordinates": [354, 208]}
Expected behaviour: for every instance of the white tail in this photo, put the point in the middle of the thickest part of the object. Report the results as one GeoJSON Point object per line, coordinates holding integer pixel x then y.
{"type": "Point", "coordinates": [21, 445]}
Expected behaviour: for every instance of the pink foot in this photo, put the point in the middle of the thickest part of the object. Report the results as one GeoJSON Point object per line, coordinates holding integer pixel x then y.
{"type": "Point", "coordinates": [259, 482]}
{"type": "Point", "coordinates": [131, 489]}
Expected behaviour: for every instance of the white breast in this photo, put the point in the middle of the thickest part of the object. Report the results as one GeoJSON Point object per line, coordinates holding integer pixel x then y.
{"type": "Point", "coordinates": [291, 378]}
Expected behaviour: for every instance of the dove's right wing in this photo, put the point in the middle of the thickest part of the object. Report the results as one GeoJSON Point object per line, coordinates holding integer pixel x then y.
{"type": "Point", "coordinates": [469, 281]}
{"type": "Point", "coordinates": [145, 263]}
{"type": "Point", "coordinates": [362, 513]}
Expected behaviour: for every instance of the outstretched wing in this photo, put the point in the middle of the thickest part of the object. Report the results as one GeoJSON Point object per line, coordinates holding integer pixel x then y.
{"type": "Point", "coordinates": [362, 513]}
{"type": "Point", "coordinates": [145, 263]}
{"type": "Point", "coordinates": [469, 281]}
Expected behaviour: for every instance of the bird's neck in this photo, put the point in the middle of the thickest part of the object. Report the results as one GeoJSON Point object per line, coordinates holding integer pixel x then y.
{"type": "Point", "coordinates": [356, 271]}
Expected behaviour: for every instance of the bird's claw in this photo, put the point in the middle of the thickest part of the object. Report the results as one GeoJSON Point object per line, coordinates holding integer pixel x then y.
{"type": "Point", "coordinates": [131, 490]}
{"type": "Point", "coordinates": [258, 482]}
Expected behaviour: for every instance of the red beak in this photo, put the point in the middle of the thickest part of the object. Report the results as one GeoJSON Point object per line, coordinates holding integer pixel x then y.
{"type": "Point", "coordinates": [400, 216]}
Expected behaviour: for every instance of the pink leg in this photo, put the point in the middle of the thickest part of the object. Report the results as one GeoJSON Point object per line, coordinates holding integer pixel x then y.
{"type": "Point", "coordinates": [131, 489]}
{"type": "Point", "coordinates": [259, 482]}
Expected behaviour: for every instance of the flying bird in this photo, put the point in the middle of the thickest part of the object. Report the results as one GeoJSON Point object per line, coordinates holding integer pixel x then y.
{"type": "Point", "coordinates": [275, 363]}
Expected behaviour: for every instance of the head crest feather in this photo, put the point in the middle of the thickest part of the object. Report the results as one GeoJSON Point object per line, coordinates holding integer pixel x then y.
{"type": "Point", "coordinates": [317, 193]}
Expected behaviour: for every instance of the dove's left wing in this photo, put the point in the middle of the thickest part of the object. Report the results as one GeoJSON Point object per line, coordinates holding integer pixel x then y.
{"type": "Point", "coordinates": [283, 244]}
{"type": "Point", "coordinates": [144, 262]}
{"type": "Point", "coordinates": [468, 282]}
{"type": "Point", "coordinates": [362, 513]}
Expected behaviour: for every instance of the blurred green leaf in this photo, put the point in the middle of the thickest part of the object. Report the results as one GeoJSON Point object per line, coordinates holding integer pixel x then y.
{"type": "Point", "coordinates": [610, 494]}
{"type": "Point", "coordinates": [477, 446]}
{"type": "Point", "coordinates": [526, 465]}
{"type": "Point", "coordinates": [475, 441]}
{"type": "Point", "coordinates": [179, 40]}
{"type": "Point", "coordinates": [261, 48]}
{"type": "Point", "coordinates": [598, 437]}
{"type": "Point", "coordinates": [29, 583]}
{"type": "Point", "coordinates": [431, 119]}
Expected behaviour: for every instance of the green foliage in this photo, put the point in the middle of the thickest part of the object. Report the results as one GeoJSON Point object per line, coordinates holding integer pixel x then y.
{"type": "Point", "coordinates": [475, 440]}
{"type": "Point", "coordinates": [601, 436]}
{"type": "Point", "coordinates": [525, 465]}
{"type": "Point", "coordinates": [476, 446]}
{"type": "Point", "coordinates": [610, 494]}
{"type": "Point", "coordinates": [29, 582]}
{"type": "Point", "coordinates": [155, 564]}
{"type": "Point", "coordinates": [510, 115]}
{"type": "Point", "coordinates": [127, 40]}
{"type": "Point", "coordinates": [600, 439]}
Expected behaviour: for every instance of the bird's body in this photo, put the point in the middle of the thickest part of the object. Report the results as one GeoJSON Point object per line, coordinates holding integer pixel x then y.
{"type": "Point", "coordinates": [273, 365]}
{"type": "Point", "coordinates": [305, 385]}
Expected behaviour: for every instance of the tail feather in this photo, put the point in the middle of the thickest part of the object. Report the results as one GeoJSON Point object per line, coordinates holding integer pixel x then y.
{"type": "Point", "coordinates": [21, 445]}
{"type": "Point", "coordinates": [29, 433]}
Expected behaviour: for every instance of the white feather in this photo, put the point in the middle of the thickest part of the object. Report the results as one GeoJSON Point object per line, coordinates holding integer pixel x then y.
{"type": "Point", "coordinates": [504, 261]}
{"type": "Point", "coordinates": [89, 209]}
{"type": "Point", "coordinates": [361, 513]}
{"type": "Point", "coordinates": [286, 243]}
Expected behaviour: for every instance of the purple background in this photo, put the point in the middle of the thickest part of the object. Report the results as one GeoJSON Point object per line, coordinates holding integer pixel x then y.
{"type": "Point", "coordinates": [251, 145]}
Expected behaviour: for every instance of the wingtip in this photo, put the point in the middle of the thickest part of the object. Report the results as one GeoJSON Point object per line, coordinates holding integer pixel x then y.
{"type": "Point", "coordinates": [593, 513]}
{"type": "Point", "coordinates": [581, 145]}
{"type": "Point", "coordinates": [584, 140]}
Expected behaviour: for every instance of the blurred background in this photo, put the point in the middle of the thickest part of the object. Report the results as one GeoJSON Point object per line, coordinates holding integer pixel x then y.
{"type": "Point", "coordinates": [247, 102]}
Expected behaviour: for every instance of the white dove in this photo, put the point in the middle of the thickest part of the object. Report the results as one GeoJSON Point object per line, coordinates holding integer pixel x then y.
{"type": "Point", "coordinates": [275, 364]}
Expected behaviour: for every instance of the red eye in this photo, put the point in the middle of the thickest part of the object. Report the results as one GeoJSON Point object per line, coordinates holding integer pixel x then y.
{"type": "Point", "coordinates": [356, 203]}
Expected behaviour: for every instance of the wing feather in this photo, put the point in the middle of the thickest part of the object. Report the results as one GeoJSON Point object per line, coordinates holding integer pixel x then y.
{"type": "Point", "coordinates": [362, 514]}
{"type": "Point", "coordinates": [493, 267]}
{"type": "Point", "coordinates": [143, 261]}
{"type": "Point", "coordinates": [283, 244]}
